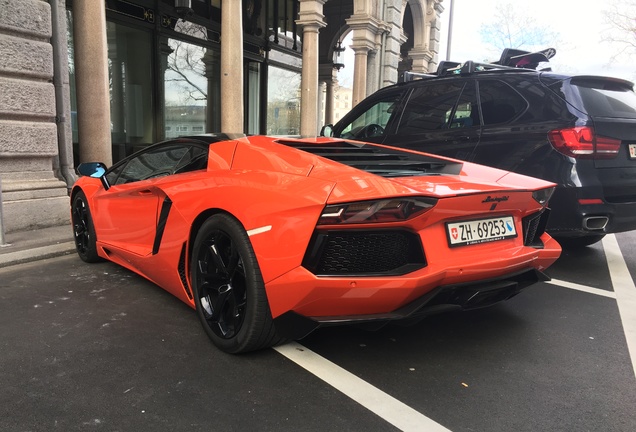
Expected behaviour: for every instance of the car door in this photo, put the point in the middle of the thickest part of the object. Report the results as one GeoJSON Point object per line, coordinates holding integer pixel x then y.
{"type": "Point", "coordinates": [439, 117]}
{"type": "Point", "coordinates": [135, 199]}
{"type": "Point", "coordinates": [513, 135]}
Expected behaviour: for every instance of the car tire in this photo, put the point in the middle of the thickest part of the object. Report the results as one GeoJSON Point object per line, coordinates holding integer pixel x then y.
{"type": "Point", "coordinates": [83, 229]}
{"type": "Point", "coordinates": [228, 288]}
{"type": "Point", "coordinates": [579, 242]}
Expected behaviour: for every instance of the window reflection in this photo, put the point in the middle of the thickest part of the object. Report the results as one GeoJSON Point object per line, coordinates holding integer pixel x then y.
{"type": "Point", "coordinates": [191, 77]}
{"type": "Point", "coordinates": [131, 88]}
{"type": "Point", "coordinates": [283, 102]}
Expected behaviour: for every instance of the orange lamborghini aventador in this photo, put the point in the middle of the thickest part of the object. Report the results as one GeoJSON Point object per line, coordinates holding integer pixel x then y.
{"type": "Point", "coordinates": [270, 238]}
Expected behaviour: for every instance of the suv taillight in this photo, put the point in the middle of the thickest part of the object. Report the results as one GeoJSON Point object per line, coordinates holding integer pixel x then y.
{"type": "Point", "coordinates": [578, 142]}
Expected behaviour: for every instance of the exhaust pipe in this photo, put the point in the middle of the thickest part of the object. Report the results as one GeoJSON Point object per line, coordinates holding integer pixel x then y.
{"type": "Point", "coordinates": [595, 223]}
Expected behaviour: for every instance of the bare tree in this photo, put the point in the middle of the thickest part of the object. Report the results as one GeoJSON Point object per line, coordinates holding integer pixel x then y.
{"type": "Point", "coordinates": [621, 19]}
{"type": "Point", "coordinates": [185, 68]}
{"type": "Point", "coordinates": [512, 26]}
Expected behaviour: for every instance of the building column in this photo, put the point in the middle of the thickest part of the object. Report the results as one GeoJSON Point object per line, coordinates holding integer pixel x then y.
{"type": "Point", "coordinates": [394, 38]}
{"type": "Point", "coordinates": [232, 110]}
{"type": "Point", "coordinates": [359, 74]}
{"type": "Point", "coordinates": [426, 46]}
{"type": "Point", "coordinates": [328, 76]}
{"type": "Point", "coordinates": [329, 101]}
{"type": "Point", "coordinates": [365, 31]}
{"type": "Point", "coordinates": [421, 60]}
{"type": "Point", "coordinates": [311, 19]}
{"type": "Point", "coordinates": [91, 78]}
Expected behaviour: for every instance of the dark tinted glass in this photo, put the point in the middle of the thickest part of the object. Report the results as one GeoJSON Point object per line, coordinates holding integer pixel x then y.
{"type": "Point", "coordinates": [429, 108]}
{"type": "Point", "coordinates": [195, 159]}
{"type": "Point", "coordinates": [466, 113]}
{"type": "Point", "coordinates": [500, 103]}
{"type": "Point", "coordinates": [153, 163]}
{"type": "Point", "coordinates": [605, 98]}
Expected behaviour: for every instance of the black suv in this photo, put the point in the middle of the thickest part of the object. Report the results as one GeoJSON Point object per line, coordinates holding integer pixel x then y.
{"type": "Point", "coordinates": [577, 131]}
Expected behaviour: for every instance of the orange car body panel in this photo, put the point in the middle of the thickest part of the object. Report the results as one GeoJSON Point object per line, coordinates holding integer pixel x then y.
{"type": "Point", "coordinates": [278, 194]}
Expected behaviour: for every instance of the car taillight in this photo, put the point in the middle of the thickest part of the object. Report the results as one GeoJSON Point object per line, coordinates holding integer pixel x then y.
{"type": "Point", "coordinates": [578, 142]}
{"type": "Point", "coordinates": [386, 210]}
{"type": "Point", "coordinates": [542, 196]}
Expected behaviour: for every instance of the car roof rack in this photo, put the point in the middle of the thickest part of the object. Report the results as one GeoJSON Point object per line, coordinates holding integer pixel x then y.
{"type": "Point", "coordinates": [410, 76]}
{"type": "Point", "coordinates": [511, 60]}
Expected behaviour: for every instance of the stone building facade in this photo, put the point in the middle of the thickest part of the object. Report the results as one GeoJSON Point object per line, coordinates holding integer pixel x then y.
{"type": "Point", "coordinates": [41, 126]}
{"type": "Point", "coordinates": [34, 180]}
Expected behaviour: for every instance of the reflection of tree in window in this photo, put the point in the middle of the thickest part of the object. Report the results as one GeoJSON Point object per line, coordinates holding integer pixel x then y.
{"type": "Point", "coordinates": [152, 164]}
{"type": "Point", "coordinates": [186, 81]}
{"type": "Point", "coordinates": [283, 102]}
{"type": "Point", "coordinates": [186, 70]}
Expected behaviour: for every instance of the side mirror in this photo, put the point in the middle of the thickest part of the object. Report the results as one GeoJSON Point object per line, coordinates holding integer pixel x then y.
{"type": "Point", "coordinates": [91, 169]}
{"type": "Point", "coordinates": [327, 130]}
{"type": "Point", "coordinates": [95, 170]}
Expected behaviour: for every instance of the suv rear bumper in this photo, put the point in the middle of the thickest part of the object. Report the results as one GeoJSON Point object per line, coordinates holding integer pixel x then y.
{"type": "Point", "coordinates": [569, 218]}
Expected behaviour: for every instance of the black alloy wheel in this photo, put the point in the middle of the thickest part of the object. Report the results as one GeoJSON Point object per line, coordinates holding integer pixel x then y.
{"type": "Point", "coordinates": [228, 288]}
{"type": "Point", "coordinates": [83, 229]}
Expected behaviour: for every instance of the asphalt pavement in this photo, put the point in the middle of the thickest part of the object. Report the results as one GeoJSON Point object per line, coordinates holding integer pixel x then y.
{"type": "Point", "coordinates": [95, 347]}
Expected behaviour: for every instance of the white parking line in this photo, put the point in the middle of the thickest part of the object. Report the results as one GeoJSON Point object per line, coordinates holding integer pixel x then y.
{"type": "Point", "coordinates": [387, 407]}
{"type": "Point", "coordinates": [406, 418]}
{"type": "Point", "coordinates": [625, 292]}
{"type": "Point", "coordinates": [584, 288]}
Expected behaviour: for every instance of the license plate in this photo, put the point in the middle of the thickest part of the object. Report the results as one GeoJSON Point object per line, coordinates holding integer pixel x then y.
{"type": "Point", "coordinates": [480, 231]}
{"type": "Point", "coordinates": [632, 151]}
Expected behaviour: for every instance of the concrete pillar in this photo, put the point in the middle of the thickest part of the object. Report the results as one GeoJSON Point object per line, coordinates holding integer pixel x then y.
{"type": "Point", "coordinates": [328, 76]}
{"type": "Point", "coordinates": [366, 29]}
{"type": "Point", "coordinates": [311, 19]}
{"type": "Point", "coordinates": [393, 41]}
{"type": "Point", "coordinates": [421, 60]}
{"type": "Point", "coordinates": [360, 74]}
{"type": "Point", "coordinates": [232, 67]}
{"type": "Point", "coordinates": [91, 78]}
{"type": "Point", "coordinates": [372, 71]}
{"type": "Point", "coordinates": [329, 102]}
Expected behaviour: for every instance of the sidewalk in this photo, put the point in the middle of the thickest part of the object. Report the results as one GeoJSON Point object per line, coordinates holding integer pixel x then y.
{"type": "Point", "coordinates": [26, 246]}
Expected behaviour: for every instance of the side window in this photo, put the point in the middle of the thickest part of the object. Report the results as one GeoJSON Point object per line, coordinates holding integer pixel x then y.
{"type": "Point", "coordinates": [195, 159]}
{"type": "Point", "coordinates": [467, 112]}
{"type": "Point", "coordinates": [373, 121]}
{"type": "Point", "coordinates": [500, 103]}
{"type": "Point", "coordinates": [156, 162]}
{"type": "Point", "coordinates": [430, 108]}
{"type": "Point", "coordinates": [113, 173]}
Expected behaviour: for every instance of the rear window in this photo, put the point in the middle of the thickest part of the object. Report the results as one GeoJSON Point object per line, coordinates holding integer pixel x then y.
{"type": "Point", "coordinates": [602, 97]}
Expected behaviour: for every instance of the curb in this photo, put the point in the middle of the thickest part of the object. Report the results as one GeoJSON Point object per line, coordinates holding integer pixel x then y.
{"type": "Point", "coordinates": [8, 259]}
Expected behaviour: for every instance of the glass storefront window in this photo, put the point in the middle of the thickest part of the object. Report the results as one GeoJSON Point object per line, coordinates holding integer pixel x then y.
{"type": "Point", "coordinates": [252, 81]}
{"type": "Point", "coordinates": [283, 102]}
{"type": "Point", "coordinates": [131, 89]}
{"type": "Point", "coordinates": [191, 77]}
